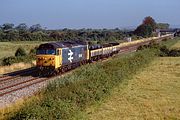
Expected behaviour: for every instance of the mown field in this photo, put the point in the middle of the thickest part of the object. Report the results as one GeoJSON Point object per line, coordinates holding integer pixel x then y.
{"type": "Point", "coordinates": [152, 94]}
{"type": "Point", "coordinates": [9, 48]}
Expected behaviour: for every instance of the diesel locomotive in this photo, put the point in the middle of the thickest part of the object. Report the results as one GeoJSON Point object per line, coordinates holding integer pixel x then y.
{"type": "Point", "coordinates": [59, 57]}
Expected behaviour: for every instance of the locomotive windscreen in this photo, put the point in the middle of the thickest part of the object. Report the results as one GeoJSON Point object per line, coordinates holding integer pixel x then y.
{"type": "Point", "coordinates": [46, 52]}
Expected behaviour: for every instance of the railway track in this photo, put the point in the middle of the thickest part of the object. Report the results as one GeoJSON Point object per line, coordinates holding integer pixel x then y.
{"type": "Point", "coordinates": [18, 80]}
{"type": "Point", "coordinates": [20, 85]}
{"type": "Point", "coordinates": [16, 74]}
{"type": "Point", "coordinates": [11, 80]}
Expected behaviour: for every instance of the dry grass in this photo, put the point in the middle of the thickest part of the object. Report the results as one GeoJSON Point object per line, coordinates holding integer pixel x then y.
{"type": "Point", "coordinates": [15, 67]}
{"type": "Point", "coordinates": [152, 94]}
{"type": "Point", "coordinates": [9, 48]}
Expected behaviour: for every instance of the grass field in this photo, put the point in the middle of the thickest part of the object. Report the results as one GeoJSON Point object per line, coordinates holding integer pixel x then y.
{"type": "Point", "coordinates": [152, 94]}
{"type": "Point", "coordinates": [9, 48]}
{"type": "Point", "coordinates": [177, 45]}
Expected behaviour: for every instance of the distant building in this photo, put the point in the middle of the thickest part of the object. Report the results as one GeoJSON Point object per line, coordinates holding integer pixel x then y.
{"type": "Point", "coordinates": [167, 31]}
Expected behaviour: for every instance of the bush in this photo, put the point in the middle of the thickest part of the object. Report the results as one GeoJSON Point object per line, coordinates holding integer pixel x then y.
{"type": "Point", "coordinates": [20, 52]}
{"type": "Point", "coordinates": [174, 53]}
{"type": "Point", "coordinates": [9, 60]}
{"type": "Point", "coordinates": [165, 52]}
{"type": "Point", "coordinates": [33, 51]}
{"type": "Point", "coordinates": [20, 56]}
{"type": "Point", "coordinates": [151, 45]}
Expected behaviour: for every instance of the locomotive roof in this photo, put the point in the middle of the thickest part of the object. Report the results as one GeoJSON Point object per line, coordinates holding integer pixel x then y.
{"type": "Point", "coordinates": [65, 44]}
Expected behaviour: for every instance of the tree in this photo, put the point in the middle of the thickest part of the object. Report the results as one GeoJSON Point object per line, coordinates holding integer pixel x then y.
{"type": "Point", "coordinates": [149, 21]}
{"type": "Point", "coordinates": [143, 30]}
{"type": "Point", "coordinates": [22, 27]}
{"type": "Point", "coordinates": [7, 26]}
{"type": "Point", "coordinates": [55, 35]}
{"type": "Point", "coordinates": [162, 26]}
{"type": "Point", "coordinates": [35, 28]}
{"type": "Point", "coordinates": [39, 35]}
{"type": "Point", "coordinates": [146, 28]}
{"type": "Point", "coordinates": [12, 35]}
{"type": "Point", "coordinates": [25, 35]}
{"type": "Point", "coordinates": [2, 34]}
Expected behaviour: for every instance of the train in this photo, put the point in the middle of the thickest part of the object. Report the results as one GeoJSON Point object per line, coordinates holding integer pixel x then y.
{"type": "Point", "coordinates": [59, 57]}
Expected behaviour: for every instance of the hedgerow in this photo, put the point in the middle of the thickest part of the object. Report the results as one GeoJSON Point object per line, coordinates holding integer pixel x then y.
{"type": "Point", "coordinates": [165, 52]}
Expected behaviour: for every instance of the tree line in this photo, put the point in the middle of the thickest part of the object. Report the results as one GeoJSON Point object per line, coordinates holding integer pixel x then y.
{"type": "Point", "coordinates": [21, 32]}
{"type": "Point", "coordinates": [10, 32]}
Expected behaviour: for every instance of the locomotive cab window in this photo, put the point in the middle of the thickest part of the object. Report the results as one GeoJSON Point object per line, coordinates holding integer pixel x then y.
{"type": "Point", "coordinates": [46, 52]}
{"type": "Point", "coordinates": [41, 52]}
{"type": "Point", "coordinates": [51, 52]}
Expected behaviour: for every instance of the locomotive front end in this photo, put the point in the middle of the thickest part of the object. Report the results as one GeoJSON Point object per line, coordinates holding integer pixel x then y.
{"type": "Point", "coordinates": [48, 58]}
{"type": "Point", "coordinates": [59, 57]}
{"type": "Point", "coordinates": [45, 58]}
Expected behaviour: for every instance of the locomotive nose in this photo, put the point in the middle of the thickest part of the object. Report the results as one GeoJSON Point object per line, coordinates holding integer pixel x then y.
{"type": "Point", "coordinates": [45, 61]}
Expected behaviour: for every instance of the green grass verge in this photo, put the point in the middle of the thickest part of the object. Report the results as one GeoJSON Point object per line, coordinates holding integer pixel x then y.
{"type": "Point", "coordinates": [72, 94]}
{"type": "Point", "coordinates": [171, 43]}
{"type": "Point", "coordinates": [152, 94]}
{"type": "Point", "coordinates": [177, 45]}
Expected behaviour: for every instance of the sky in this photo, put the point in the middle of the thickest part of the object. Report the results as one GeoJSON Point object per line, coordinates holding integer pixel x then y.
{"type": "Point", "coordinates": [75, 14]}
